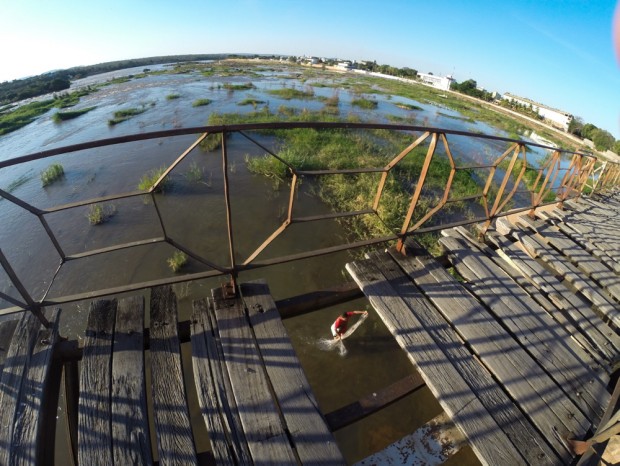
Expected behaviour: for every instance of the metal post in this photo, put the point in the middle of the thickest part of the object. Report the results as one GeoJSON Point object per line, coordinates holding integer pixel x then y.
{"type": "Point", "coordinates": [231, 244]}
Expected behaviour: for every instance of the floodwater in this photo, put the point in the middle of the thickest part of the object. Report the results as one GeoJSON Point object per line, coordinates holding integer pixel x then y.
{"type": "Point", "coordinates": [194, 215]}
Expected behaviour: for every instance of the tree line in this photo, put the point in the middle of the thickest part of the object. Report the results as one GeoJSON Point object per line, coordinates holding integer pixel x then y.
{"type": "Point", "coordinates": [20, 89]}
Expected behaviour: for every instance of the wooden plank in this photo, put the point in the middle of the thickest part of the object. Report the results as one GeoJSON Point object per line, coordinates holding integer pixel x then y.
{"type": "Point", "coordinates": [304, 422]}
{"type": "Point", "coordinates": [584, 261]}
{"type": "Point", "coordinates": [511, 365]}
{"type": "Point", "coordinates": [11, 382]}
{"type": "Point", "coordinates": [131, 442]}
{"type": "Point", "coordinates": [600, 251]}
{"type": "Point", "coordinates": [175, 443]}
{"type": "Point", "coordinates": [25, 448]}
{"type": "Point", "coordinates": [450, 371]}
{"type": "Point", "coordinates": [554, 260]}
{"type": "Point", "coordinates": [538, 333]}
{"type": "Point", "coordinates": [267, 440]}
{"type": "Point", "coordinates": [94, 415]}
{"type": "Point", "coordinates": [374, 402]}
{"type": "Point", "coordinates": [7, 328]}
{"type": "Point", "coordinates": [580, 313]}
{"type": "Point", "coordinates": [210, 389]}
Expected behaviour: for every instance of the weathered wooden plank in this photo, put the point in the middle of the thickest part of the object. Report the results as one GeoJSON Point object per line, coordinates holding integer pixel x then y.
{"type": "Point", "coordinates": [267, 440]}
{"type": "Point", "coordinates": [131, 442]}
{"type": "Point", "coordinates": [580, 313]}
{"type": "Point", "coordinates": [537, 332]}
{"type": "Point", "coordinates": [210, 389]}
{"type": "Point", "coordinates": [94, 415]}
{"type": "Point", "coordinates": [27, 431]}
{"type": "Point", "coordinates": [175, 443]}
{"type": "Point", "coordinates": [569, 272]}
{"type": "Point", "coordinates": [306, 426]}
{"type": "Point", "coordinates": [15, 365]}
{"type": "Point", "coordinates": [521, 272]}
{"type": "Point", "coordinates": [449, 370]}
{"type": "Point", "coordinates": [511, 365]}
{"type": "Point", "coordinates": [598, 250]}
{"type": "Point", "coordinates": [7, 328]}
{"type": "Point", "coordinates": [584, 260]}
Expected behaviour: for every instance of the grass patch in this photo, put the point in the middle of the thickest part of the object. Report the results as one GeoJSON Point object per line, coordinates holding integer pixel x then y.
{"type": "Point", "coordinates": [211, 142]}
{"type": "Point", "coordinates": [69, 115]}
{"type": "Point", "coordinates": [194, 173]}
{"type": "Point", "coordinates": [124, 115]}
{"type": "Point", "coordinates": [149, 179]}
{"type": "Point", "coordinates": [177, 261]}
{"type": "Point", "coordinates": [238, 87]}
{"type": "Point", "coordinates": [52, 173]}
{"type": "Point", "coordinates": [173, 96]}
{"type": "Point", "coordinates": [23, 115]}
{"type": "Point", "coordinates": [98, 214]}
{"type": "Point", "coordinates": [408, 106]}
{"type": "Point", "coordinates": [289, 93]}
{"type": "Point", "coordinates": [309, 149]}
{"type": "Point", "coordinates": [251, 101]}
{"type": "Point", "coordinates": [366, 104]}
{"type": "Point", "coordinates": [201, 102]}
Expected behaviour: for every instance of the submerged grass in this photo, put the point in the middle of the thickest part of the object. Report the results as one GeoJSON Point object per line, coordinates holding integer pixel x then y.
{"type": "Point", "coordinates": [124, 115]}
{"type": "Point", "coordinates": [365, 103]}
{"type": "Point", "coordinates": [201, 102]}
{"type": "Point", "coordinates": [289, 93]}
{"type": "Point", "coordinates": [177, 261]}
{"type": "Point", "coordinates": [51, 174]}
{"type": "Point", "coordinates": [62, 116]}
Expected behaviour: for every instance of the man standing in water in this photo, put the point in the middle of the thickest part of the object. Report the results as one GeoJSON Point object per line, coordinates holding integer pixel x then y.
{"type": "Point", "coordinates": [339, 327]}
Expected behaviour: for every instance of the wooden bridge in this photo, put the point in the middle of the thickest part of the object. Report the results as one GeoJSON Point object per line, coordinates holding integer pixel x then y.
{"type": "Point", "coordinates": [520, 349]}
{"type": "Point", "coordinates": [516, 334]}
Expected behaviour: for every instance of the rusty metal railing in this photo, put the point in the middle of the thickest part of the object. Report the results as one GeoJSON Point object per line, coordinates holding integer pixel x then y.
{"type": "Point", "coordinates": [554, 182]}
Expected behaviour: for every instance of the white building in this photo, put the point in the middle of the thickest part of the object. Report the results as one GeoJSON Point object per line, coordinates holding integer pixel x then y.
{"type": "Point", "coordinates": [440, 82]}
{"type": "Point", "coordinates": [555, 117]}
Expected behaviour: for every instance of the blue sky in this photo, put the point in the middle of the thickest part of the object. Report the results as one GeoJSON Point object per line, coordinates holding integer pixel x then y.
{"type": "Point", "coordinates": [557, 52]}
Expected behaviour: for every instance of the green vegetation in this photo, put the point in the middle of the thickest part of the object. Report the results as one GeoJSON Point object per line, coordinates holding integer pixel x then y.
{"type": "Point", "coordinates": [309, 149]}
{"type": "Point", "coordinates": [289, 93]}
{"type": "Point", "coordinates": [123, 115]}
{"type": "Point", "coordinates": [238, 87]}
{"type": "Point", "coordinates": [177, 261]}
{"type": "Point", "coordinates": [408, 106]}
{"type": "Point", "coordinates": [62, 116]}
{"type": "Point", "coordinates": [201, 102]}
{"type": "Point", "coordinates": [211, 142]}
{"type": "Point", "coordinates": [194, 173]}
{"type": "Point", "coordinates": [365, 103]}
{"type": "Point", "coordinates": [52, 174]}
{"type": "Point", "coordinates": [98, 214]}
{"type": "Point", "coordinates": [251, 101]}
{"type": "Point", "coordinates": [529, 177]}
{"type": "Point", "coordinates": [149, 179]}
{"type": "Point", "coordinates": [173, 96]}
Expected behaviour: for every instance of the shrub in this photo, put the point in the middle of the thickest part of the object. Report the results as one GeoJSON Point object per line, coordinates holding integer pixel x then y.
{"type": "Point", "coordinates": [151, 177]}
{"type": "Point", "coordinates": [97, 214]}
{"type": "Point", "coordinates": [52, 173]}
{"type": "Point", "coordinates": [177, 261]}
{"type": "Point", "coordinates": [201, 102]}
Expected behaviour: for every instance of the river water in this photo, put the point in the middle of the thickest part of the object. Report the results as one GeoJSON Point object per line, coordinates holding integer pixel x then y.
{"type": "Point", "coordinates": [194, 215]}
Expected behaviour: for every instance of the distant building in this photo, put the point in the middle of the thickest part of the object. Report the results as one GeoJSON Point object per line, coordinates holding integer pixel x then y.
{"type": "Point", "coordinates": [555, 117]}
{"type": "Point", "coordinates": [344, 65]}
{"type": "Point", "coordinates": [440, 82]}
